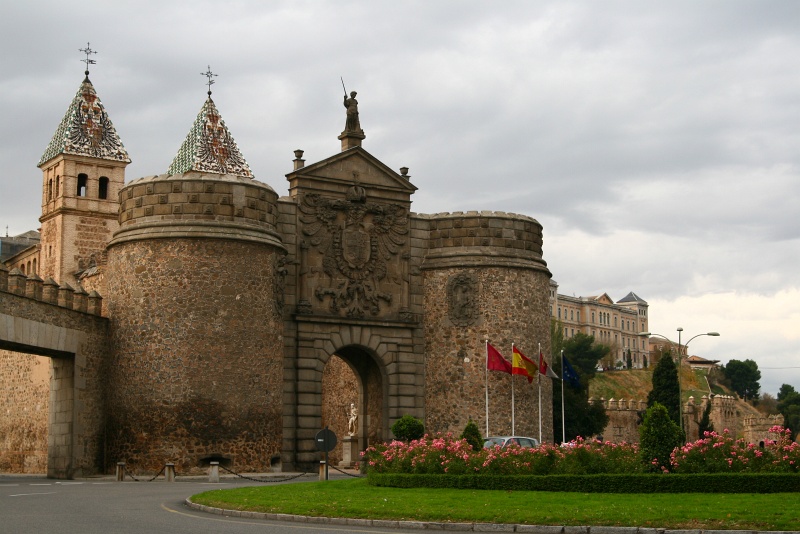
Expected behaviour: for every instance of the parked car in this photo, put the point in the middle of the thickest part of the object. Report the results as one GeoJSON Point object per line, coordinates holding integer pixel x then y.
{"type": "Point", "coordinates": [505, 441]}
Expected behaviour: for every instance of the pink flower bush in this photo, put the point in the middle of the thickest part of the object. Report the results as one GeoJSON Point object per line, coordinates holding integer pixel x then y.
{"type": "Point", "coordinates": [446, 454]}
{"type": "Point", "coordinates": [443, 453]}
{"type": "Point", "coordinates": [721, 453]}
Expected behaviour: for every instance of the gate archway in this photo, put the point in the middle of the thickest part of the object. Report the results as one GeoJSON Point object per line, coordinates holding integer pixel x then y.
{"type": "Point", "coordinates": [389, 382]}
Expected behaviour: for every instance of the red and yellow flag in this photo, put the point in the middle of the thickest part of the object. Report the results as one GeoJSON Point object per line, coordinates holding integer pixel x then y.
{"type": "Point", "coordinates": [521, 365]}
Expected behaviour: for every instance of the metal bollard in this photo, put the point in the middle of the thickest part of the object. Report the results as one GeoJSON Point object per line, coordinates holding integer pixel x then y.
{"type": "Point", "coordinates": [169, 472]}
{"type": "Point", "coordinates": [213, 472]}
{"type": "Point", "coordinates": [322, 467]}
{"type": "Point", "coordinates": [120, 471]}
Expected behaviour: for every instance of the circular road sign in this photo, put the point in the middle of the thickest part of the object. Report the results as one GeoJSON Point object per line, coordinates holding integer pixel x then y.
{"type": "Point", "coordinates": [325, 440]}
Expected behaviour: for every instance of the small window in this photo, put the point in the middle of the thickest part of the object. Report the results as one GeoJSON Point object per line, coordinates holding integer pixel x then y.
{"type": "Point", "coordinates": [50, 190]}
{"type": "Point", "coordinates": [103, 190]}
{"type": "Point", "coordinates": [58, 185]}
{"type": "Point", "coordinates": [82, 181]}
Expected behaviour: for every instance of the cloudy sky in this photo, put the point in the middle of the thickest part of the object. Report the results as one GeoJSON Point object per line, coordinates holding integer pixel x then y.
{"type": "Point", "coordinates": [658, 143]}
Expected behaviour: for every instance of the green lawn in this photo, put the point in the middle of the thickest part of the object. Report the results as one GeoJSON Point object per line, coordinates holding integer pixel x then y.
{"type": "Point", "coordinates": [354, 498]}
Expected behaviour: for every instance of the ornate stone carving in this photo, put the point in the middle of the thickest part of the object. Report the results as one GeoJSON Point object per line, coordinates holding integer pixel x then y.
{"type": "Point", "coordinates": [356, 238]}
{"type": "Point", "coordinates": [280, 283]}
{"type": "Point", "coordinates": [462, 299]}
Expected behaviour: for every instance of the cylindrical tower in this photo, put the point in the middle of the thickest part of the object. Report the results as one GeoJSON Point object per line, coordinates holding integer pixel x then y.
{"type": "Point", "coordinates": [196, 368]}
{"type": "Point", "coordinates": [484, 278]}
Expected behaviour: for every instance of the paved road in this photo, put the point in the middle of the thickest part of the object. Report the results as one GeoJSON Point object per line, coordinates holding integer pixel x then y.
{"type": "Point", "coordinates": [36, 505]}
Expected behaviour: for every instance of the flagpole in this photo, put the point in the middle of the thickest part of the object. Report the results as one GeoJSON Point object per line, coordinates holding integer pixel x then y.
{"type": "Point", "coordinates": [486, 387]}
{"type": "Point", "coordinates": [563, 430]}
{"type": "Point", "coordinates": [512, 394]}
{"type": "Point", "coordinates": [539, 387]}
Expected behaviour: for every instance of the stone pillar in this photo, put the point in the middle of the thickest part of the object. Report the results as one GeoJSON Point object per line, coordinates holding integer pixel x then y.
{"type": "Point", "coordinates": [169, 472]}
{"type": "Point", "coordinates": [350, 453]}
{"type": "Point", "coordinates": [213, 472]}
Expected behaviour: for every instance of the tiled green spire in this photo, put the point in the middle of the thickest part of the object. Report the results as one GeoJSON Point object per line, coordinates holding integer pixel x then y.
{"type": "Point", "coordinates": [209, 147]}
{"type": "Point", "coordinates": [86, 130]}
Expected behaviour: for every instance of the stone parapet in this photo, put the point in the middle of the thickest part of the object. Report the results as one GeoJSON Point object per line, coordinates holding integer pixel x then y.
{"type": "Point", "coordinates": [48, 291]}
{"type": "Point", "coordinates": [483, 238]}
{"type": "Point", "coordinates": [198, 205]}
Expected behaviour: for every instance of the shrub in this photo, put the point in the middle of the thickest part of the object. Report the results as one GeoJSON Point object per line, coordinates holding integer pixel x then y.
{"type": "Point", "coordinates": [473, 435]}
{"type": "Point", "coordinates": [658, 437]}
{"type": "Point", "coordinates": [408, 428]}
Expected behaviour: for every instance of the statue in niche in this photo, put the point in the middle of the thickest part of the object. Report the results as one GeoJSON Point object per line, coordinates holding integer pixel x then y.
{"type": "Point", "coordinates": [352, 124]}
{"type": "Point", "coordinates": [352, 419]}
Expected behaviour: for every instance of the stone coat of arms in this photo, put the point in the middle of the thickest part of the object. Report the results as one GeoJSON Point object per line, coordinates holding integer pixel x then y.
{"type": "Point", "coordinates": [357, 239]}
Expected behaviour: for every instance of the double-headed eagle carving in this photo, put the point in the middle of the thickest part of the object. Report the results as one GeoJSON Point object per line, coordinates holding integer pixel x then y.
{"type": "Point", "coordinates": [356, 238]}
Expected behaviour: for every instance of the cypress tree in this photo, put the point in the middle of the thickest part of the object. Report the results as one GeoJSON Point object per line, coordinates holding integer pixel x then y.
{"type": "Point", "coordinates": [666, 390]}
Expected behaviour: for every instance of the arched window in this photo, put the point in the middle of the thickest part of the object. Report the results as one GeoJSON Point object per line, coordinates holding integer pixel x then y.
{"type": "Point", "coordinates": [82, 181]}
{"type": "Point", "coordinates": [34, 266]}
{"type": "Point", "coordinates": [58, 185]}
{"type": "Point", "coordinates": [103, 190]}
{"type": "Point", "coordinates": [49, 189]}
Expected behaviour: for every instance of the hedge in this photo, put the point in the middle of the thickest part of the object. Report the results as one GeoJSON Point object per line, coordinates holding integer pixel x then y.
{"type": "Point", "coordinates": [601, 483]}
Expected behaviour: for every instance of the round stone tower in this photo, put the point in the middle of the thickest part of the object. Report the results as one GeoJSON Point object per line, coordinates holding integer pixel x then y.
{"type": "Point", "coordinates": [485, 279]}
{"type": "Point", "coordinates": [196, 331]}
{"type": "Point", "coordinates": [194, 297]}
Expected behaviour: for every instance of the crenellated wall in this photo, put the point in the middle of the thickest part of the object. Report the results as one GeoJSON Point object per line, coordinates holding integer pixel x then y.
{"type": "Point", "coordinates": [625, 416]}
{"type": "Point", "coordinates": [52, 354]}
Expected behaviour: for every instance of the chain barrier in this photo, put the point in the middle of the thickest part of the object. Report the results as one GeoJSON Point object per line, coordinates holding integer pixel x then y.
{"type": "Point", "coordinates": [271, 479]}
{"type": "Point", "coordinates": [125, 469]}
{"type": "Point", "coordinates": [345, 472]}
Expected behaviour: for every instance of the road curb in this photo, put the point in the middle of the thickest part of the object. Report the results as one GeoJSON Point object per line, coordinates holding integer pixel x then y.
{"type": "Point", "coordinates": [466, 527]}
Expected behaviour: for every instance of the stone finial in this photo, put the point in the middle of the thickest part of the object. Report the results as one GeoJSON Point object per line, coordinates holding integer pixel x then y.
{"type": "Point", "coordinates": [65, 293]}
{"type": "Point", "coordinates": [299, 162]}
{"type": "Point", "coordinates": [404, 172]}
{"type": "Point", "coordinates": [33, 287]}
{"type": "Point", "coordinates": [95, 303]}
{"type": "Point", "coordinates": [16, 282]}
{"type": "Point", "coordinates": [79, 300]}
{"type": "Point", "coordinates": [50, 291]}
{"type": "Point", "coordinates": [3, 278]}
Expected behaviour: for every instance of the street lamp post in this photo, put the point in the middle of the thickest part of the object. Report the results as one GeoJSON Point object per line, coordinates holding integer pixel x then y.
{"type": "Point", "coordinates": [680, 389]}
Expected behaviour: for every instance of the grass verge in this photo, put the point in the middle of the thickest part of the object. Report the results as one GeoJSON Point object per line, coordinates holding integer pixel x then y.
{"type": "Point", "coordinates": [354, 498]}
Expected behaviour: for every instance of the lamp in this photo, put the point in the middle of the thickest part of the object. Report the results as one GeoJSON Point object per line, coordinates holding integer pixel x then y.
{"type": "Point", "coordinates": [686, 346]}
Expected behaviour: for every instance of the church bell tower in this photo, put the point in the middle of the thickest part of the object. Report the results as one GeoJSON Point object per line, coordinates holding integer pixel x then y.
{"type": "Point", "coordinates": [83, 170]}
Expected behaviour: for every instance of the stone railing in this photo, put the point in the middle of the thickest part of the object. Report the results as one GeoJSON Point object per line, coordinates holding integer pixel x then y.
{"type": "Point", "coordinates": [49, 291]}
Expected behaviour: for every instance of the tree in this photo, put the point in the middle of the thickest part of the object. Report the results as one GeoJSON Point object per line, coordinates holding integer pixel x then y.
{"type": "Point", "coordinates": [628, 360]}
{"type": "Point", "coordinates": [408, 428]}
{"type": "Point", "coordinates": [789, 407]}
{"type": "Point", "coordinates": [658, 437]}
{"type": "Point", "coordinates": [744, 377]}
{"type": "Point", "coordinates": [582, 418]}
{"type": "Point", "coordinates": [666, 389]}
{"type": "Point", "coordinates": [705, 424]}
{"type": "Point", "coordinates": [473, 436]}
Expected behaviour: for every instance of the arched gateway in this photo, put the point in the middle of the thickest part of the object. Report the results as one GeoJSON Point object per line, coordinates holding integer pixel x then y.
{"type": "Point", "coordinates": [227, 304]}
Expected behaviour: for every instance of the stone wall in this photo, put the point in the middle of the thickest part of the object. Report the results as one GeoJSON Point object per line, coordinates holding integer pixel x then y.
{"type": "Point", "coordinates": [625, 416]}
{"type": "Point", "coordinates": [24, 396]}
{"type": "Point", "coordinates": [197, 348]}
{"type": "Point", "coordinates": [39, 317]}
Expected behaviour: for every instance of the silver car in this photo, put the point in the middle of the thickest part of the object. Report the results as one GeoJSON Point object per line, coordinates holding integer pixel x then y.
{"type": "Point", "coordinates": [506, 441]}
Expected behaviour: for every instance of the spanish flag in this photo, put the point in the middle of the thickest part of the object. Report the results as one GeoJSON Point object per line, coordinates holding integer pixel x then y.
{"type": "Point", "coordinates": [521, 365]}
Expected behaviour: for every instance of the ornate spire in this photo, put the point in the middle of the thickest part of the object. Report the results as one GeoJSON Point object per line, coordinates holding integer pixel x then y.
{"type": "Point", "coordinates": [86, 129]}
{"type": "Point", "coordinates": [209, 147]}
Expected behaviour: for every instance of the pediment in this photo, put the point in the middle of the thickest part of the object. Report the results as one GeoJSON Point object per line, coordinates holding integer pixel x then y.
{"type": "Point", "coordinates": [604, 299]}
{"type": "Point", "coordinates": [353, 166]}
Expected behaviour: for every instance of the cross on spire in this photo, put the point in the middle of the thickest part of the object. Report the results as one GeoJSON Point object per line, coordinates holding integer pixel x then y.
{"type": "Point", "coordinates": [88, 51]}
{"type": "Point", "coordinates": [208, 74]}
